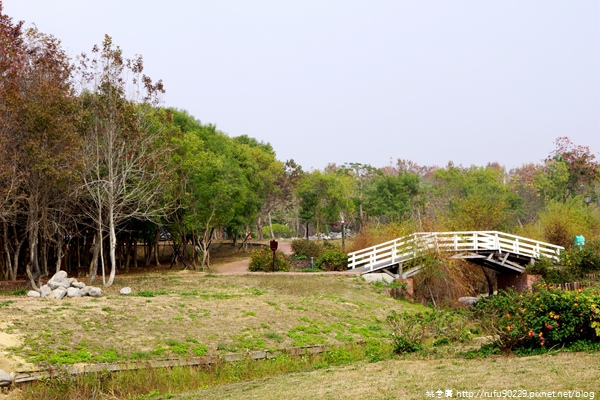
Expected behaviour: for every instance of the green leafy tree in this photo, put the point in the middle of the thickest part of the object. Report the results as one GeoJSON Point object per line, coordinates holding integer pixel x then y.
{"type": "Point", "coordinates": [474, 198]}
{"type": "Point", "coordinates": [392, 197]}
{"type": "Point", "coordinates": [324, 196]}
{"type": "Point", "coordinates": [363, 176]}
{"type": "Point", "coordinates": [212, 185]}
{"type": "Point", "coordinates": [262, 172]}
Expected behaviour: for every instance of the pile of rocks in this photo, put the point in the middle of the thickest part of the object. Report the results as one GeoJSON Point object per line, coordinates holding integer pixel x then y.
{"type": "Point", "coordinates": [60, 286]}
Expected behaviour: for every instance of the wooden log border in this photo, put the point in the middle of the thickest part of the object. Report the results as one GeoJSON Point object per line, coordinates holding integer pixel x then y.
{"type": "Point", "coordinates": [78, 369]}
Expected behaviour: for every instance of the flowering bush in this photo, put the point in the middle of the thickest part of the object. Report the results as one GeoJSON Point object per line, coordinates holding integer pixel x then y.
{"type": "Point", "coordinates": [546, 317]}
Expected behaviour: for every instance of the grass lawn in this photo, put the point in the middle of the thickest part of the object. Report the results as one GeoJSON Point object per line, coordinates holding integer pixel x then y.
{"type": "Point", "coordinates": [183, 314]}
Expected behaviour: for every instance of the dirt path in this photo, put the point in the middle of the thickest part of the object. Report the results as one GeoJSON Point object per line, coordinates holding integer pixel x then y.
{"type": "Point", "coordinates": [241, 267]}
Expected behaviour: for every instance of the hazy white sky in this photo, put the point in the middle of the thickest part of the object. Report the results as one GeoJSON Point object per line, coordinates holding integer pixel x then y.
{"type": "Point", "coordinates": [362, 81]}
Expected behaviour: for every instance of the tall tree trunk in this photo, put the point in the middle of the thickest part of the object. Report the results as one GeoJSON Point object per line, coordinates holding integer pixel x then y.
{"type": "Point", "coordinates": [33, 267]}
{"type": "Point", "coordinates": [16, 255]}
{"type": "Point", "coordinates": [157, 247]}
{"type": "Point", "coordinates": [94, 263]}
{"type": "Point", "coordinates": [206, 240]}
{"type": "Point", "coordinates": [59, 251]}
{"type": "Point", "coordinates": [9, 270]}
{"type": "Point", "coordinates": [113, 247]}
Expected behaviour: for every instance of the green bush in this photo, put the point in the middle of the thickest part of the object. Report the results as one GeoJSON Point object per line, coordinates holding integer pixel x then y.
{"type": "Point", "coordinates": [583, 261]}
{"type": "Point", "coordinates": [304, 249]}
{"type": "Point", "coordinates": [279, 230]}
{"type": "Point", "coordinates": [332, 260]}
{"type": "Point", "coordinates": [573, 265]}
{"type": "Point", "coordinates": [551, 271]}
{"type": "Point", "coordinates": [261, 259]}
{"type": "Point", "coordinates": [546, 318]}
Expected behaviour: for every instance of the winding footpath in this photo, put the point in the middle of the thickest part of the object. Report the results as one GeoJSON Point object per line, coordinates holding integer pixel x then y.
{"type": "Point", "coordinates": [241, 267]}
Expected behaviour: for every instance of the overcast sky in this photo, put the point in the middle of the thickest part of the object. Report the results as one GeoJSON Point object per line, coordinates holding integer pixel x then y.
{"type": "Point", "coordinates": [362, 81]}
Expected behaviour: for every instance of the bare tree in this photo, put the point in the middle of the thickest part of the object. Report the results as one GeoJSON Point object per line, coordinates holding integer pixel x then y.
{"type": "Point", "coordinates": [125, 149]}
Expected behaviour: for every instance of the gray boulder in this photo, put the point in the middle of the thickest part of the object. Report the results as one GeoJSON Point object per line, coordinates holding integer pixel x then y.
{"type": "Point", "coordinates": [468, 301]}
{"type": "Point", "coordinates": [95, 292]}
{"type": "Point", "coordinates": [74, 292]}
{"type": "Point", "coordinates": [125, 291]}
{"type": "Point", "coordinates": [33, 293]}
{"type": "Point", "coordinates": [59, 279]}
{"type": "Point", "coordinates": [45, 291]}
{"type": "Point", "coordinates": [78, 285]}
{"type": "Point", "coordinates": [57, 293]}
{"type": "Point", "coordinates": [6, 379]}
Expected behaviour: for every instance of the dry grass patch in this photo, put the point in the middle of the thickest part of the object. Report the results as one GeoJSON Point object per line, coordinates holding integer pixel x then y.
{"type": "Point", "coordinates": [411, 378]}
{"type": "Point", "coordinates": [187, 313]}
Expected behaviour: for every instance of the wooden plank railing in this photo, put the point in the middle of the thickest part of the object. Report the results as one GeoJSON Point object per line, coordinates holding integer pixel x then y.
{"type": "Point", "coordinates": [408, 247]}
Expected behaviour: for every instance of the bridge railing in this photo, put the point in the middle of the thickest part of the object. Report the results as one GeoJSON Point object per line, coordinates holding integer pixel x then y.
{"type": "Point", "coordinates": [408, 247]}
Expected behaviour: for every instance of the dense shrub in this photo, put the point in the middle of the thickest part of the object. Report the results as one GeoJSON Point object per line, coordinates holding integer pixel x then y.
{"type": "Point", "coordinates": [573, 264]}
{"type": "Point", "coordinates": [332, 260]}
{"type": "Point", "coordinates": [551, 271]}
{"type": "Point", "coordinates": [546, 317]}
{"type": "Point", "coordinates": [304, 249]}
{"type": "Point", "coordinates": [261, 259]}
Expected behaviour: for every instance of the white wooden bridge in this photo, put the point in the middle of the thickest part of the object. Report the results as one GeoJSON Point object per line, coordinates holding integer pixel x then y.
{"type": "Point", "coordinates": [500, 251]}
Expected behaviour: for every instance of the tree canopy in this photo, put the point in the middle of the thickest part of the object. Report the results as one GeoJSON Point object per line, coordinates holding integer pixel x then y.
{"type": "Point", "coordinates": [92, 163]}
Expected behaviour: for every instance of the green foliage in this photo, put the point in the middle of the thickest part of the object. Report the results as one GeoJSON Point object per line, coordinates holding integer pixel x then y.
{"type": "Point", "coordinates": [332, 260]}
{"type": "Point", "coordinates": [560, 222]}
{"type": "Point", "coordinates": [474, 198]}
{"type": "Point", "coordinates": [545, 318]}
{"type": "Point", "coordinates": [323, 196]}
{"type": "Point", "coordinates": [150, 293]}
{"type": "Point", "coordinates": [573, 265]}
{"type": "Point", "coordinates": [304, 249]}
{"type": "Point", "coordinates": [261, 259]}
{"type": "Point", "coordinates": [279, 231]}
{"type": "Point", "coordinates": [392, 196]}
{"type": "Point", "coordinates": [551, 271]}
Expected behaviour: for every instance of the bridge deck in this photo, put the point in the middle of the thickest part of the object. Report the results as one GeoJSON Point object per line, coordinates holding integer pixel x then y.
{"type": "Point", "coordinates": [503, 252]}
